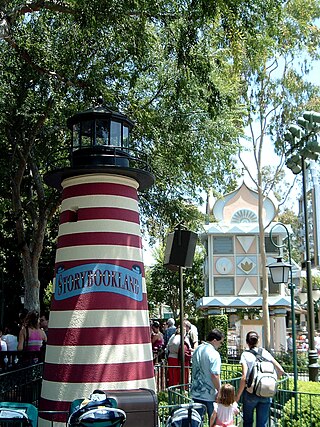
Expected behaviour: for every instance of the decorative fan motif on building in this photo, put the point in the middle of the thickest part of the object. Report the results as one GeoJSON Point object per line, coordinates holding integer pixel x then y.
{"type": "Point", "coordinates": [244, 215]}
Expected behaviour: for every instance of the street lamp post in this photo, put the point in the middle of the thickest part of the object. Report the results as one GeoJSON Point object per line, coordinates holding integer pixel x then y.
{"type": "Point", "coordinates": [313, 354]}
{"type": "Point", "coordinates": [280, 273]}
{"type": "Point", "coordinates": [304, 145]}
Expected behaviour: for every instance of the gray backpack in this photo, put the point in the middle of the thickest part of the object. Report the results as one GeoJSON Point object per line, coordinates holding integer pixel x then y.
{"type": "Point", "coordinates": [262, 380]}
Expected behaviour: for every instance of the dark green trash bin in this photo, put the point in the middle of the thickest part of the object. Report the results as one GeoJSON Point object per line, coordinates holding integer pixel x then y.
{"type": "Point", "coordinates": [140, 406]}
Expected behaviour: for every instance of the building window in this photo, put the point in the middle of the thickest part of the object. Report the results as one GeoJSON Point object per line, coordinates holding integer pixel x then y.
{"type": "Point", "coordinates": [270, 248]}
{"type": "Point", "coordinates": [224, 286]}
{"type": "Point", "coordinates": [222, 245]}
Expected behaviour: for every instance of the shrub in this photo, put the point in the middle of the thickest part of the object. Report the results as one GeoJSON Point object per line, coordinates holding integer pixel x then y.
{"type": "Point", "coordinates": [220, 321]}
{"type": "Point", "coordinates": [308, 406]}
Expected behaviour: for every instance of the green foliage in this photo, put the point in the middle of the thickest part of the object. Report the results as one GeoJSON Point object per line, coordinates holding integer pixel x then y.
{"type": "Point", "coordinates": [163, 405]}
{"type": "Point", "coordinates": [202, 329]}
{"type": "Point", "coordinates": [315, 280]}
{"type": "Point", "coordinates": [178, 69]}
{"type": "Point", "coordinates": [154, 61]}
{"type": "Point", "coordinates": [163, 399]}
{"type": "Point", "coordinates": [163, 285]}
{"type": "Point", "coordinates": [289, 217]}
{"type": "Point", "coordinates": [47, 295]}
{"type": "Point", "coordinates": [308, 406]}
{"type": "Point", "coordinates": [229, 372]}
{"type": "Point", "coordinates": [220, 322]}
{"type": "Point", "coordinates": [285, 360]}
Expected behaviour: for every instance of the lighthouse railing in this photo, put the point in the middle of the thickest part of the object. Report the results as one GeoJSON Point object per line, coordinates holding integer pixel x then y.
{"type": "Point", "coordinates": [102, 156]}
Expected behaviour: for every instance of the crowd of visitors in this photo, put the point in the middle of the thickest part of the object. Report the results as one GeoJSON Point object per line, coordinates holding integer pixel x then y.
{"type": "Point", "coordinates": [29, 333]}
{"type": "Point", "coordinates": [166, 345]}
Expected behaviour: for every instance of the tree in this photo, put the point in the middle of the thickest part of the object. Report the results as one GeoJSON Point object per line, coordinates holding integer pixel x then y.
{"type": "Point", "coordinates": [289, 217]}
{"type": "Point", "coordinates": [163, 285]}
{"type": "Point", "coordinates": [172, 67]}
{"type": "Point", "coordinates": [273, 94]}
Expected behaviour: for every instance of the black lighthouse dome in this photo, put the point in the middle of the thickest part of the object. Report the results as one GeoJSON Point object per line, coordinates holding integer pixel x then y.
{"type": "Point", "coordinates": [100, 142]}
{"type": "Point", "coordinates": [100, 136]}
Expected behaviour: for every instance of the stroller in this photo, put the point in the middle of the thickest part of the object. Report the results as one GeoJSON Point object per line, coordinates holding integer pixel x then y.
{"type": "Point", "coordinates": [187, 415]}
{"type": "Point", "coordinates": [97, 411]}
{"type": "Point", "coordinates": [18, 414]}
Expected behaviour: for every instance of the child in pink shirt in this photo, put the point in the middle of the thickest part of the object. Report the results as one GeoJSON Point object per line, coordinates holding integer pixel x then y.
{"type": "Point", "coordinates": [225, 408]}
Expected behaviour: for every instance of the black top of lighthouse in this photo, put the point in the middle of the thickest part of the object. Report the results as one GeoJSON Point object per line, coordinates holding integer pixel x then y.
{"type": "Point", "coordinates": [99, 126]}
{"type": "Point", "coordinates": [100, 143]}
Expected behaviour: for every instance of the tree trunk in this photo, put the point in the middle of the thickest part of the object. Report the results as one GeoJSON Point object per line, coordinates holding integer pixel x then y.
{"type": "Point", "coordinates": [264, 273]}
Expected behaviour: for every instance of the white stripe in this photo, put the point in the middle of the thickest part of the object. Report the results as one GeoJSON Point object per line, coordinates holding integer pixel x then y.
{"type": "Point", "coordinates": [83, 252]}
{"type": "Point", "coordinates": [99, 201]}
{"type": "Point", "coordinates": [100, 225]}
{"type": "Point", "coordinates": [100, 178]}
{"type": "Point", "coordinates": [99, 355]}
{"type": "Point", "coordinates": [99, 318]}
{"type": "Point", "coordinates": [71, 391]}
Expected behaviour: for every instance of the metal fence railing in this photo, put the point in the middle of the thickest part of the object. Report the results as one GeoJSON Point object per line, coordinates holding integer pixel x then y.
{"type": "Point", "coordinates": [13, 360]}
{"type": "Point", "coordinates": [22, 385]}
{"type": "Point", "coordinates": [288, 409]}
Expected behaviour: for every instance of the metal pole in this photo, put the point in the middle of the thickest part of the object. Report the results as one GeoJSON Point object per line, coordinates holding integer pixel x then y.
{"type": "Point", "coordinates": [316, 206]}
{"type": "Point", "coordinates": [293, 328]}
{"type": "Point", "coordinates": [313, 356]}
{"type": "Point", "coordinates": [182, 381]}
{"type": "Point", "coordinates": [182, 367]}
{"type": "Point", "coordinates": [291, 286]}
{"type": "Point", "coordinates": [293, 321]}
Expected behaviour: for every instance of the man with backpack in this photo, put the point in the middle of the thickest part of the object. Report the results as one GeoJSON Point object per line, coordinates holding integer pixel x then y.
{"type": "Point", "coordinates": [258, 382]}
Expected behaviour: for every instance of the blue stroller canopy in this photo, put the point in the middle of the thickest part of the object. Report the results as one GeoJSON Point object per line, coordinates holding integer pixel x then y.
{"type": "Point", "coordinates": [23, 413]}
{"type": "Point", "coordinates": [102, 416]}
{"type": "Point", "coordinates": [98, 411]}
{"type": "Point", "coordinates": [187, 415]}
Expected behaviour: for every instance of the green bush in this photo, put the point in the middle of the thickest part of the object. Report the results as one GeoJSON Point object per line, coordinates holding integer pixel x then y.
{"type": "Point", "coordinates": [163, 398]}
{"type": "Point", "coordinates": [285, 359]}
{"type": "Point", "coordinates": [308, 407]}
{"type": "Point", "coordinates": [201, 325]}
{"type": "Point", "coordinates": [229, 372]}
{"type": "Point", "coordinates": [220, 322]}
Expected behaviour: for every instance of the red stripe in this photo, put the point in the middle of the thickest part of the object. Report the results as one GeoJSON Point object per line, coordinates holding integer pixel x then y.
{"type": "Point", "coordinates": [99, 301]}
{"type": "Point", "coordinates": [59, 415]}
{"type": "Point", "coordinates": [99, 336]}
{"type": "Point", "coordinates": [84, 214]}
{"type": "Point", "coordinates": [100, 188]}
{"type": "Point", "coordinates": [93, 373]}
{"type": "Point", "coordinates": [122, 263]}
{"type": "Point", "coordinates": [99, 238]}
{"type": "Point", "coordinates": [52, 405]}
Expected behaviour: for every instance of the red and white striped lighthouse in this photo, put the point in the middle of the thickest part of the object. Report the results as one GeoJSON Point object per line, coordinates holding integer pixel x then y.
{"type": "Point", "coordinates": [99, 334]}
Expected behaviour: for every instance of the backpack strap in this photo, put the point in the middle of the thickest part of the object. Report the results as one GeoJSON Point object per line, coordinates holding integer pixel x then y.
{"type": "Point", "coordinates": [258, 354]}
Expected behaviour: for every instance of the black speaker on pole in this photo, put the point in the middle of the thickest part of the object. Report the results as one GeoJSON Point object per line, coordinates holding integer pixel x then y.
{"type": "Point", "coordinates": [180, 248]}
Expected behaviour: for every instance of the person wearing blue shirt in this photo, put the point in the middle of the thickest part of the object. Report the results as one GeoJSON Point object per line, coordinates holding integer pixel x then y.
{"type": "Point", "coordinates": [206, 367]}
{"type": "Point", "coordinates": [171, 330]}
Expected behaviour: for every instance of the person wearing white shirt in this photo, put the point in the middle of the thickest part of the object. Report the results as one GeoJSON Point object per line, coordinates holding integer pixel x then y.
{"type": "Point", "coordinates": [10, 338]}
{"type": "Point", "coordinates": [3, 343]}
